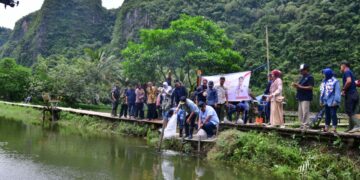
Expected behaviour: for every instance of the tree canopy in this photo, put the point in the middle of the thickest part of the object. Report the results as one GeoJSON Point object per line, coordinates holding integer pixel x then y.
{"type": "Point", "coordinates": [14, 79]}
{"type": "Point", "coordinates": [190, 43]}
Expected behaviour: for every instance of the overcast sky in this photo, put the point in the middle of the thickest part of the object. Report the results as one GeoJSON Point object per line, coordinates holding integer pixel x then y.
{"type": "Point", "coordinates": [9, 16]}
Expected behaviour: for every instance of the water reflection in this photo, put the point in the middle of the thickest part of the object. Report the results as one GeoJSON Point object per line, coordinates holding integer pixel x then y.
{"type": "Point", "coordinates": [30, 152]}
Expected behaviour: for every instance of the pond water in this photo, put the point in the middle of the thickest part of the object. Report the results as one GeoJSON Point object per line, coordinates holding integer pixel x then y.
{"type": "Point", "coordinates": [33, 152]}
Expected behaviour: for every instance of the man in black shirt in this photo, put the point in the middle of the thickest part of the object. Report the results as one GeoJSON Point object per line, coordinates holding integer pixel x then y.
{"type": "Point", "coordinates": [115, 95]}
{"type": "Point", "coordinates": [201, 92]}
{"type": "Point", "coordinates": [177, 93]}
{"type": "Point", "coordinates": [304, 94]}
{"type": "Point", "coordinates": [351, 97]}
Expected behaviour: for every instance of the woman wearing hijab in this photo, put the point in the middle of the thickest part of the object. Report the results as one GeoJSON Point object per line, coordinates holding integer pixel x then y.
{"type": "Point", "coordinates": [276, 99]}
{"type": "Point", "coordinates": [330, 97]}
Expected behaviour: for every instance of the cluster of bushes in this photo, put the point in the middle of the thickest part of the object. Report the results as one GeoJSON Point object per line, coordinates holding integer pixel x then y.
{"type": "Point", "coordinates": [283, 158]}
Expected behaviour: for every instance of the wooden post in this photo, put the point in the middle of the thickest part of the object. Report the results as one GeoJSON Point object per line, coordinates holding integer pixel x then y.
{"type": "Point", "coordinates": [199, 144]}
{"type": "Point", "coordinates": [161, 136]}
{"type": "Point", "coordinates": [267, 50]}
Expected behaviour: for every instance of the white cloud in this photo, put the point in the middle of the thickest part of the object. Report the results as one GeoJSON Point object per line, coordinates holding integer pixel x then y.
{"type": "Point", "coordinates": [9, 16]}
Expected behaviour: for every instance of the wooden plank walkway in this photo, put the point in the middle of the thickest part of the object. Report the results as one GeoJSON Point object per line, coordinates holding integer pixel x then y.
{"type": "Point", "coordinates": [101, 115]}
{"type": "Point", "coordinates": [290, 132]}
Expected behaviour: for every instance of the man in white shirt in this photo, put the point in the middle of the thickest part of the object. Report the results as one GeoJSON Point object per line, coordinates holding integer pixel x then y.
{"type": "Point", "coordinates": [222, 99]}
{"type": "Point", "coordinates": [208, 119]}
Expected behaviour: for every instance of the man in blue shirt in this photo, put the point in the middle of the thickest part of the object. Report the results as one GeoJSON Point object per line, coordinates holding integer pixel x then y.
{"type": "Point", "coordinates": [192, 112]}
{"type": "Point", "coordinates": [131, 98]}
{"type": "Point", "coordinates": [304, 94]}
{"type": "Point", "coordinates": [208, 119]}
{"type": "Point", "coordinates": [351, 96]}
{"type": "Point", "coordinates": [212, 97]}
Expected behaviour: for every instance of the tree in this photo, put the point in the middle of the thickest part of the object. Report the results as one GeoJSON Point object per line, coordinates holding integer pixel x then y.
{"type": "Point", "coordinates": [190, 43]}
{"type": "Point", "coordinates": [14, 79]}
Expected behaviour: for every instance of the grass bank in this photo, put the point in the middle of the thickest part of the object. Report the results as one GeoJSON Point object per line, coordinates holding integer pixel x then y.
{"type": "Point", "coordinates": [284, 158]}
{"type": "Point", "coordinates": [269, 153]}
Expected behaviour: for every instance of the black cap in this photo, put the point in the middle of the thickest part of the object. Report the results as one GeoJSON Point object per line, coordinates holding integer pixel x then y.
{"type": "Point", "coordinates": [201, 104]}
{"type": "Point", "coordinates": [211, 83]}
{"type": "Point", "coordinates": [304, 67]}
{"type": "Point", "coordinates": [182, 98]}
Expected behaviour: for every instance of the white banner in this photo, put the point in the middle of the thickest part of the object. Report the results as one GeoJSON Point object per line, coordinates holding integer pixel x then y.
{"type": "Point", "coordinates": [237, 85]}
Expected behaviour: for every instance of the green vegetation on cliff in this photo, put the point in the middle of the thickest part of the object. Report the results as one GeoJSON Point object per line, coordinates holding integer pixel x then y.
{"type": "Point", "coordinates": [60, 27]}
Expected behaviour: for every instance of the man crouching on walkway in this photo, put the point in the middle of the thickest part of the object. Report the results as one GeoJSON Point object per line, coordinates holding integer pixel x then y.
{"type": "Point", "coordinates": [208, 119]}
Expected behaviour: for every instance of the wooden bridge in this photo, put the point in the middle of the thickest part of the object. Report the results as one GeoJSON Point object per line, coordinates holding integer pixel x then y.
{"type": "Point", "coordinates": [350, 139]}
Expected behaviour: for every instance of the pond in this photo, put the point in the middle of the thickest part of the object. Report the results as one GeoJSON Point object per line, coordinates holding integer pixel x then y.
{"type": "Point", "coordinates": [33, 152]}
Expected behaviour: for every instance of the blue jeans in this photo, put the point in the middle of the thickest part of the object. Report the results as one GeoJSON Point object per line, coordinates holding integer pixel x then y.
{"type": "Point", "coordinates": [165, 115]}
{"type": "Point", "coordinates": [209, 129]}
{"type": "Point", "coordinates": [330, 115]}
{"type": "Point", "coordinates": [132, 109]}
{"type": "Point", "coordinates": [267, 112]}
{"type": "Point", "coordinates": [181, 116]}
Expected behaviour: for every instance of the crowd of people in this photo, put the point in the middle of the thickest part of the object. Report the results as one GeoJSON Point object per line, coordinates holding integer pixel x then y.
{"type": "Point", "coordinates": [209, 104]}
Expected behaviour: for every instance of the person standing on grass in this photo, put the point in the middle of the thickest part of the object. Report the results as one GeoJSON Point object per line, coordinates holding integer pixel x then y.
{"type": "Point", "coordinates": [151, 92]}
{"type": "Point", "coordinates": [304, 94]}
{"type": "Point", "coordinates": [115, 96]}
{"type": "Point", "coordinates": [351, 96]}
{"type": "Point", "coordinates": [208, 119]}
{"type": "Point", "coordinates": [222, 102]}
{"type": "Point", "coordinates": [330, 97]}
{"type": "Point", "coordinates": [276, 99]}
{"type": "Point", "coordinates": [131, 99]}
{"type": "Point", "coordinates": [212, 96]}
{"type": "Point", "coordinates": [124, 105]}
{"type": "Point", "coordinates": [139, 102]}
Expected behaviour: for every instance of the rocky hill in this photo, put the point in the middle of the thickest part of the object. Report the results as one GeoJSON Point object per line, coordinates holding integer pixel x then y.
{"type": "Point", "coordinates": [59, 27]}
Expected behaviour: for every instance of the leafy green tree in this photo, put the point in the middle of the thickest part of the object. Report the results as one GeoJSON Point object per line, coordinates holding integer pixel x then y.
{"type": "Point", "coordinates": [190, 43]}
{"type": "Point", "coordinates": [14, 79]}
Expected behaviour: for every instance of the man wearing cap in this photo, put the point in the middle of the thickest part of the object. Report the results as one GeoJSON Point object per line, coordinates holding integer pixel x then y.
{"type": "Point", "coordinates": [304, 94]}
{"type": "Point", "coordinates": [212, 96]}
{"type": "Point", "coordinates": [192, 112]}
{"type": "Point", "coordinates": [351, 96]}
{"type": "Point", "coordinates": [208, 119]}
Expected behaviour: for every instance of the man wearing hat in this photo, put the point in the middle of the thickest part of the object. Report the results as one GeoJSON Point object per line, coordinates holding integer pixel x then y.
{"type": "Point", "coordinates": [304, 94]}
{"type": "Point", "coordinates": [192, 112]}
{"type": "Point", "coordinates": [208, 119]}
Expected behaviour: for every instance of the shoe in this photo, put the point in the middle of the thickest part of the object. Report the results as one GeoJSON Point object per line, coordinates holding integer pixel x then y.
{"type": "Point", "coordinates": [240, 121]}
{"type": "Point", "coordinates": [283, 126]}
{"type": "Point", "coordinates": [190, 137]}
{"type": "Point", "coordinates": [354, 130]}
{"type": "Point", "coordinates": [227, 121]}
